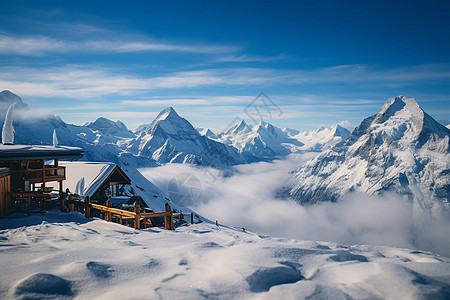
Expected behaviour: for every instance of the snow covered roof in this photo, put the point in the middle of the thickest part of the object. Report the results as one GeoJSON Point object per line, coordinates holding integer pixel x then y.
{"type": "Point", "coordinates": [85, 178]}
{"type": "Point", "coordinates": [22, 152]}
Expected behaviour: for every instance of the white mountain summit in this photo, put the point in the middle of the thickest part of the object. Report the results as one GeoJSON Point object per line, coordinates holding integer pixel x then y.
{"type": "Point", "coordinates": [260, 142]}
{"type": "Point", "coordinates": [400, 149]}
{"type": "Point", "coordinates": [172, 139]}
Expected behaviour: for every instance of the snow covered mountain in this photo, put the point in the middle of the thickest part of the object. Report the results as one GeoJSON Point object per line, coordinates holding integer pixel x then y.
{"type": "Point", "coordinates": [168, 139]}
{"type": "Point", "coordinates": [261, 142]}
{"type": "Point", "coordinates": [321, 138]}
{"type": "Point", "coordinates": [208, 133]}
{"type": "Point", "coordinates": [172, 139]}
{"type": "Point", "coordinates": [400, 149]}
{"type": "Point", "coordinates": [7, 98]}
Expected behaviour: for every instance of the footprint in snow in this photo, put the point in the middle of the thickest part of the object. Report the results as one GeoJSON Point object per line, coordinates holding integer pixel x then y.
{"type": "Point", "coordinates": [44, 286]}
{"type": "Point", "coordinates": [99, 270]}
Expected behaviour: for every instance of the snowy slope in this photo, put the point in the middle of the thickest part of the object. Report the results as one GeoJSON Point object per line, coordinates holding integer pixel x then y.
{"type": "Point", "coordinates": [400, 149]}
{"type": "Point", "coordinates": [261, 142]}
{"type": "Point", "coordinates": [322, 138]}
{"type": "Point", "coordinates": [65, 256]}
{"type": "Point", "coordinates": [172, 139]}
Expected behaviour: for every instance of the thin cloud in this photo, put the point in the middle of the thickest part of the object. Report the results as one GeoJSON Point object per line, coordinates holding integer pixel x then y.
{"type": "Point", "coordinates": [40, 45]}
{"type": "Point", "coordinates": [250, 58]}
{"type": "Point", "coordinates": [92, 81]}
{"type": "Point", "coordinates": [197, 101]}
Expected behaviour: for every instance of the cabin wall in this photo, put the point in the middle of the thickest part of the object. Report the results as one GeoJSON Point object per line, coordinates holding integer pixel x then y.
{"type": "Point", "coordinates": [5, 188]}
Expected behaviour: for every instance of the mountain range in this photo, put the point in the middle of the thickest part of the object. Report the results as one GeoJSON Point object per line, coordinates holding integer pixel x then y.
{"type": "Point", "coordinates": [167, 139]}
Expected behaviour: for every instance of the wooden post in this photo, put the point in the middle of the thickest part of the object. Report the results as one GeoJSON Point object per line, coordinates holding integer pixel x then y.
{"type": "Point", "coordinates": [168, 220]}
{"type": "Point", "coordinates": [87, 207]}
{"type": "Point", "coordinates": [61, 202]}
{"type": "Point", "coordinates": [108, 213]}
{"type": "Point", "coordinates": [71, 205]}
{"type": "Point", "coordinates": [192, 218]}
{"type": "Point", "coordinates": [60, 186]}
{"type": "Point", "coordinates": [43, 175]}
{"type": "Point", "coordinates": [29, 206]}
{"type": "Point", "coordinates": [137, 218]}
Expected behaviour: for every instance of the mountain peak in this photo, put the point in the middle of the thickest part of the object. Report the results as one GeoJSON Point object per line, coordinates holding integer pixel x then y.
{"type": "Point", "coordinates": [241, 124]}
{"type": "Point", "coordinates": [396, 104]}
{"type": "Point", "coordinates": [241, 127]}
{"type": "Point", "coordinates": [168, 112]}
{"type": "Point", "coordinates": [107, 125]}
{"type": "Point", "coordinates": [7, 98]}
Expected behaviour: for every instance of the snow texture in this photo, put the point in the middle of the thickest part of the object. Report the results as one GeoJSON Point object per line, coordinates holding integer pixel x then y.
{"type": "Point", "coordinates": [77, 258]}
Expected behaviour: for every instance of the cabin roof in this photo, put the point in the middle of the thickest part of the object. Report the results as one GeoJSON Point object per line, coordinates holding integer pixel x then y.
{"type": "Point", "coordinates": [85, 178]}
{"type": "Point", "coordinates": [32, 152]}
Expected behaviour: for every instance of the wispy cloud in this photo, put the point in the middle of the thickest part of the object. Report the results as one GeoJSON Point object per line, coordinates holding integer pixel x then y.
{"type": "Point", "coordinates": [93, 81]}
{"type": "Point", "coordinates": [40, 45]}
{"type": "Point", "coordinates": [250, 58]}
{"type": "Point", "coordinates": [196, 101]}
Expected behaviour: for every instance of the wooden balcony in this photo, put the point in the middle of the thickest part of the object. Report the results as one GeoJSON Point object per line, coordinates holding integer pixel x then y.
{"type": "Point", "coordinates": [50, 173]}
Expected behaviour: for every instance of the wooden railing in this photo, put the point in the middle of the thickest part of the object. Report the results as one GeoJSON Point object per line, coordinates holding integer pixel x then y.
{"type": "Point", "coordinates": [37, 175]}
{"type": "Point", "coordinates": [125, 216]}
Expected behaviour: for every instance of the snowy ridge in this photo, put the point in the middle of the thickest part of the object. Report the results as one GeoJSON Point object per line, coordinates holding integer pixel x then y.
{"type": "Point", "coordinates": [322, 138]}
{"type": "Point", "coordinates": [400, 149]}
{"type": "Point", "coordinates": [261, 142]}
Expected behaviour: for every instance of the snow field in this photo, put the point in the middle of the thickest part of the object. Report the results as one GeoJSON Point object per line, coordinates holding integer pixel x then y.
{"type": "Point", "coordinates": [65, 256]}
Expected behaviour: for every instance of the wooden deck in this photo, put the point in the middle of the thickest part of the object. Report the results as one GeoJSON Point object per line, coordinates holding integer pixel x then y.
{"type": "Point", "coordinates": [133, 219]}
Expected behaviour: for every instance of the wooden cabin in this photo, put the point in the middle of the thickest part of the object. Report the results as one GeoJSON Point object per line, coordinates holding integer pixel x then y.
{"type": "Point", "coordinates": [27, 172]}
{"type": "Point", "coordinates": [100, 181]}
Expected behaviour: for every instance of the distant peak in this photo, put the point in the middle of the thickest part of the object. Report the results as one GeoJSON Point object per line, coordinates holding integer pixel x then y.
{"type": "Point", "coordinates": [242, 123]}
{"type": "Point", "coordinates": [166, 113]}
{"type": "Point", "coordinates": [241, 126]}
{"type": "Point", "coordinates": [7, 98]}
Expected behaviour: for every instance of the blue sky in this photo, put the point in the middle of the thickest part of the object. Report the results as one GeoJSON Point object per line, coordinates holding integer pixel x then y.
{"type": "Point", "coordinates": [320, 62]}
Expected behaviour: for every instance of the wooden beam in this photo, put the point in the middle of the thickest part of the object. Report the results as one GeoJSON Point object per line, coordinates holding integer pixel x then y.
{"type": "Point", "coordinates": [108, 213]}
{"type": "Point", "coordinates": [31, 194]}
{"type": "Point", "coordinates": [137, 218]}
{"type": "Point", "coordinates": [87, 208]}
{"type": "Point", "coordinates": [61, 202]}
{"type": "Point", "coordinates": [157, 214]}
{"type": "Point", "coordinates": [43, 174]}
{"type": "Point", "coordinates": [71, 205]}
{"type": "Point", "coordinates": [168, 221]}
{"type": "Point", "coordinates": [113, 210]}
{"type": "Point", "coordinates": [29, 206]}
